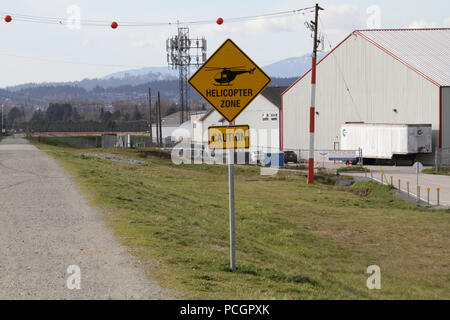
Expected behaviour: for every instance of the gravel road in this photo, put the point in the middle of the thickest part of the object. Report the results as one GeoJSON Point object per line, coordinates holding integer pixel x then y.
{"type": "Point", "coordinates": [47, 225]}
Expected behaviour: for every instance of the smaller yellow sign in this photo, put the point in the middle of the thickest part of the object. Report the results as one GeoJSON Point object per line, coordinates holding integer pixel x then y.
{"type": "Point", "coordinates": [229, 137]}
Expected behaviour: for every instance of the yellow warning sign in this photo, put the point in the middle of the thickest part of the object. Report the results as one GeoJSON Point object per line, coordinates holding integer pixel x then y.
{"type": "Point", "coordinates": [229, 80]}
{"type": "Point", "coordinates": [229, 137]}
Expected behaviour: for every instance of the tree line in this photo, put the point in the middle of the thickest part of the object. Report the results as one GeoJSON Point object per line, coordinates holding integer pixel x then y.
{"type": "Point", "coordinates": [62, 117]}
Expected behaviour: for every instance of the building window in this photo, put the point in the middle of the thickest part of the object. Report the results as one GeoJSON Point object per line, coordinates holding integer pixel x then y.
{"type": "Point", "coordinates": [274, 116]}
{"type": "Point", "coordinates": [265, 116]}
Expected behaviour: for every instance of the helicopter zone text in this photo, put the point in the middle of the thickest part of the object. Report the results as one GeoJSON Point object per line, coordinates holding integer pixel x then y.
{"type": "Point", "coordinates": [229, 80]}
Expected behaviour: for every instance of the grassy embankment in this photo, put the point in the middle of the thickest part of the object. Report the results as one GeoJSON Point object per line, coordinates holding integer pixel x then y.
{"type": "Point", "coordinates": [352, 169]}
{"type": "Point", "coordinates": [443, 171]}
{"type": "Point", "coordinates": [294, 241]}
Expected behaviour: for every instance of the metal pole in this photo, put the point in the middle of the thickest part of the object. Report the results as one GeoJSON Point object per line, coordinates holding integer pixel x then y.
{"type": "Point", "coordinates": [150, 114]}
{"type": "Point", "coordinates": [159, 120]}
{"type": "Point", "coordinates": [418, 193]}
{"type": "Point", "coordinates": [407, 188]}
{"type": "Point", "coordinates": [428, 196]}
{"type": "Point", "coordinates": [312, 111]}
{"type": "Point", "coordinates": [361, 158]}
{"type": "Point", "coordinates": [437, 160]}
{"type": "Point", "coordinates": [157, 123]}
{"type": "Point", "coordinates": [3, 106]}
{"type": "Point", "coordinates": [417, 176]}
{"type": "Point", "coordinates": [438, 191]}
{"type": "Point", "coordinates": [231, 204]}
{"type": "Point", "coordinates": [399, 185]}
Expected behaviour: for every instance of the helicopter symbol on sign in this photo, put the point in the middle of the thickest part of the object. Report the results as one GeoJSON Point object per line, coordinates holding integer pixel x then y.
{"type": "Point", "coordinates": [227, 75]}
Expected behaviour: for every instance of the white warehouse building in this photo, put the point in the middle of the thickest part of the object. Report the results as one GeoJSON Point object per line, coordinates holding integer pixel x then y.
{"type": "Point", "coordinates": [392, 76]}
{"type": "Point", "coordinates": [262, 115]}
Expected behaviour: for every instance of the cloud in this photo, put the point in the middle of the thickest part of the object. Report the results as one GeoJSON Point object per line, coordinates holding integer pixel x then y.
{"type": "Point", "coordinates": [345, 16]}
{"type": "Point", "coordinates": [337, 21]}
{"type": "Point", "coordinates": [420, 24]}
{"type": "Point", "coordinates": [284, 24]}
{"type": "Point", "coordinates": [447, 22]}
{"type": "Point", "coordinates": [86, 43]}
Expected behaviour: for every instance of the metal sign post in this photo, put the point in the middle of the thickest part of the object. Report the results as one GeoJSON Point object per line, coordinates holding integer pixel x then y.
{"type": "Point", "coordinates": [230, 138]}
{"type": "Point", "coordinates": [229, 80]}
{"type": "Point", "coordinates": [231, 205]}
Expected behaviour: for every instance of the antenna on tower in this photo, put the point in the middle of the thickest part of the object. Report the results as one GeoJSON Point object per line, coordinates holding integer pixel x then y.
{"type": "Point", "coordinates": [184, 52]}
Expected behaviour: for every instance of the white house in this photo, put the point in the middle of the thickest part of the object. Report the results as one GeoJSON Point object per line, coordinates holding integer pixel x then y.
{"type": "Point", "coordinates": [262, 115]}
{"type": "Point", "coordinates": [374, 76]}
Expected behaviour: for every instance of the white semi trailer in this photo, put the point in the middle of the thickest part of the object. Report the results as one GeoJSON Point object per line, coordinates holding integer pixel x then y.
{"type": "Point", "coordinates": [400, 143]}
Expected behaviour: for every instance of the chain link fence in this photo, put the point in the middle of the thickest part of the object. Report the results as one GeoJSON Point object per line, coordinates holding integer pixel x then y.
{"type": "Point", "coordinates": [134, 141]}
{"type": "Point", "coordinates": [259, 155]}
{"type": "Point", "coordinates": [327, 158]}
{"type": "Point", "coordinates": [442, 160]}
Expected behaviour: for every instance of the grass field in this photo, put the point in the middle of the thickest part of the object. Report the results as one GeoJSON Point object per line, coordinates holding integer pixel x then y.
{"type": "Point", "coordinates": [294, 241]}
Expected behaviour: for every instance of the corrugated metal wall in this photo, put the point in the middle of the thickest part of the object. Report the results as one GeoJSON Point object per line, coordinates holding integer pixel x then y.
{"type": "Point", "coordinates": [446, 117]}
{"type": "Point", "coordinates": [377, 84]}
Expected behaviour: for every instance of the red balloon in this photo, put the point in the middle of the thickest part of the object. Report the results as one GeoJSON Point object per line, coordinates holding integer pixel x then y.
{"type": "Point", "coordinates": [219, 21]}
{"type": "Point", "coordinates": [114, 25]}
{"type": "Point", "coordinates": [8, 19]}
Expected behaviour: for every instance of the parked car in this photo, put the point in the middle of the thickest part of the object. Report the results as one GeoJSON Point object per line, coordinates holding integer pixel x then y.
{"type": "Point", "coordinates": [257, 157]}
{"type": "Point", "coordinates": [290, 156]}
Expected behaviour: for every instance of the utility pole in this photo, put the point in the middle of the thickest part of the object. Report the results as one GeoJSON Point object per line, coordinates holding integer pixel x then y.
{"type": "Point", "coordinates": [159, 121]}
{"type": "Point", "coordinates": [3, 106]}
{"type": "Point", "coordinates": [150, 114]}
{"type": "Point", "coordinates": [315, 26]}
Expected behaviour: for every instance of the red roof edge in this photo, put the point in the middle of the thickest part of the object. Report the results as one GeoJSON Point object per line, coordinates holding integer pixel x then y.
{"type": "Point", "coordinates": [397, 58]}
{"type": "Point", "coordinates": [403, 29]}
{"type": "Point", "coordinates": [280, 125]}
{"type": "Point", "coordinates": [440, 118]}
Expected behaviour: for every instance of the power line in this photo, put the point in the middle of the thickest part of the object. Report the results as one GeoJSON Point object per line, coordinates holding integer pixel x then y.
{"type": "Point", "coordinates": [131, 23]}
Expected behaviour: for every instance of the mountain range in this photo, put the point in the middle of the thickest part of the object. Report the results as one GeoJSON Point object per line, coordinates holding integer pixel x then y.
{"type": "Point", "coordinates": [132, 85]}
{"type": "Point", "coordinates": [287, 68]}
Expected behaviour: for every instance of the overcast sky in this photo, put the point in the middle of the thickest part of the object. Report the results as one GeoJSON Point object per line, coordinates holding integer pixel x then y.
{"type": "Point", "coordinates": [26, 46]}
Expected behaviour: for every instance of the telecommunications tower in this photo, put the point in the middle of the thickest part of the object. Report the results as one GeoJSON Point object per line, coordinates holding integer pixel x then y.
{"type": "Point", "coordinates": [182, 53]}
